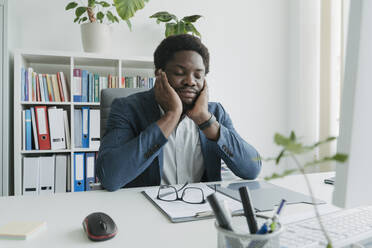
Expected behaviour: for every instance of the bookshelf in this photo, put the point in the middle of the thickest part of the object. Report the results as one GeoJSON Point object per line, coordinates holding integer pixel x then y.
{"type": "Point", "coordinates": [52, 62]}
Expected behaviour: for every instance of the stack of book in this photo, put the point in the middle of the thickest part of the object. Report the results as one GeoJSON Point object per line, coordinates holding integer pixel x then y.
{"type": "Point", "coordinates": [54, 174]}
{"type": "Point", "coordinates": [45, 129]}
{"type": "Point", "coordinates": [87, 86]}
{"type": "Point", "coordinates": [39, 87]}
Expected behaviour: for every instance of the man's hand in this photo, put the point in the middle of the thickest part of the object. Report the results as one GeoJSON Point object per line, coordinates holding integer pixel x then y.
{"type": "Point", "coordinates": [165, 95]}
{"type": "Point", "coordinates": [199, 113]}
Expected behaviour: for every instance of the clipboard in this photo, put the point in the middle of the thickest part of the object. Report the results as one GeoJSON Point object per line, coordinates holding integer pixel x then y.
{"type": "Point", "coordinates": [179, 211]}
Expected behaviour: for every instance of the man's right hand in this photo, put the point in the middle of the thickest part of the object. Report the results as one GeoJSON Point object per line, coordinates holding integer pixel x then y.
{"type": "Point", "coordinates": [165, 95]}
{"type": "Point", "coordinates": [170, 102]}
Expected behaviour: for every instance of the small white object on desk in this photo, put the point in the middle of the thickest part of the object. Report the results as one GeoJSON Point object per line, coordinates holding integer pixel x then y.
{"type": "Point", "coordinates": [21, 230]}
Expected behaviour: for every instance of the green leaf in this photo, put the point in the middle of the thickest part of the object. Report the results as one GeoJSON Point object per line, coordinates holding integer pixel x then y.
{"type": "Point", "coordinates": [277, 160]}
{"type": "Point", "coordinates": [281, 140]}
{"type": "Point", "coordinates": [110, 16]}
{"type": "Point", "coordinates": [340, 157]}
{"type": "Point", "coordinates": [76, 19]}
{"type": "Point", "coordinates": [329, 139]}
{"type": "Point", "coordinates": [100, 16]}
{"type": "Point", "coordinates": [164, 16]}
{"type": "Point", "coordinates": [181, 29]}
{"type": "Point", "coordinates": [292, 136]}
{"type": "Point", "coordinates": [129, 24]}
{"type": "Point", "coordinates": [192, 18]}
{"type": "Point", "coordinates": [104, 4]}
{"type": "Point", "coordinates": [127, 8]}
{"type": "Point", "coordinates": [191, 28]}
{"type": "Point", "coordinates": [71, 5]}
{"type": "Point", "coordinates": [91, 3]}
{"type": "Point", "coordinates": [83, 19]}
{"type": "Point", "coordinates": [79, 11]}
{"type": "Point", "coordinates": [116, 19]}
{"type": "Point", "coordinates": [170, 29]}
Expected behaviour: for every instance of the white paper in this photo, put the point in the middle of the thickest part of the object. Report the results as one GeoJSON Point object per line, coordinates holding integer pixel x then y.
{"type": "Point", "coordinates": [180, 209]}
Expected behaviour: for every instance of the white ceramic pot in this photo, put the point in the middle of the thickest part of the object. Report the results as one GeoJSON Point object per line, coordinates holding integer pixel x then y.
{"type": "Point", "coordinates": [96, 37]}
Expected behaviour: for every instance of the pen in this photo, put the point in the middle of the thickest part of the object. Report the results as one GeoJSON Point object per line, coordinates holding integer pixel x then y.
{"type": "Point", "coordinates": [276, 215]}
{"type": "Point", "coordinates": [248, 209]}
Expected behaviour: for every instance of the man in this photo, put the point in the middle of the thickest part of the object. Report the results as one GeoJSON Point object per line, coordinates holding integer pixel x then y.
{"type": "Point", "coordinates": [171, 134]}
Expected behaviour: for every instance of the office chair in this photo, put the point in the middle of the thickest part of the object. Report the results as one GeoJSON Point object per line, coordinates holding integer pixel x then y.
{"type": "Point", "coordinates": [107, 97]}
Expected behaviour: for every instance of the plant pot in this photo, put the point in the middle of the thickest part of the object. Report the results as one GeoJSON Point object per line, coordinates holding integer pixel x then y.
{"type": "Point", "coordinates": [96, 37]}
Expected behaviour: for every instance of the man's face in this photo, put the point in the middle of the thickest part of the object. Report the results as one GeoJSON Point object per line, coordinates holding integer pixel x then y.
{"type": "Point", "coordinates": [185, 73]}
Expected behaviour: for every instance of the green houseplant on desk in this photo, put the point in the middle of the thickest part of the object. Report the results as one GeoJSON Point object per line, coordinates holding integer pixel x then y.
{"type": "Point", "coordinates": [95, 17]}
{"type": "Point", "coordinates": [291, 147]}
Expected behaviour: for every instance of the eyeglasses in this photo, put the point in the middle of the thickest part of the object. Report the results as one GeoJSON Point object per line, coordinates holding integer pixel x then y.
{"type": "Point", "coordinates": [192, 195]}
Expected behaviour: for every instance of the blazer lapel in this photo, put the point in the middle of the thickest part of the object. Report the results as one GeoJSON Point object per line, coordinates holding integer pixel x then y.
{"type": "Point", "coordinates": [152, 113]}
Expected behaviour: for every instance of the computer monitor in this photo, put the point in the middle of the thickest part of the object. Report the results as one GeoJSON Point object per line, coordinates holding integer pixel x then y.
{"type": "Point", "coordinates": [353, 185]}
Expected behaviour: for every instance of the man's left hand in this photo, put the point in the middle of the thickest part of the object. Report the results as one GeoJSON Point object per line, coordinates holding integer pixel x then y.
{"type": "Point", "coordinates": [199, 113]}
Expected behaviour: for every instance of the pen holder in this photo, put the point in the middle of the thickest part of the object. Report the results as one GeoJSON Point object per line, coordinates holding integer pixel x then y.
{"type": "Point", "coordinates": [241, 238]}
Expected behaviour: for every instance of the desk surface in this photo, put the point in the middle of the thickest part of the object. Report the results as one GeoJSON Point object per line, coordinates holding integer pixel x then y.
{"type": "Point", "coordinates": [139, 222]}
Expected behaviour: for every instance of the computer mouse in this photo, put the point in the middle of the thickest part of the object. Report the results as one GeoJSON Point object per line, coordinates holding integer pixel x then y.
{"type": "Point", "coordinates": [99, 226]}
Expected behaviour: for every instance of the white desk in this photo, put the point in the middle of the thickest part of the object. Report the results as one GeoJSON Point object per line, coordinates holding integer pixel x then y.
{"type": "Point", "coordinates": [139, 222]}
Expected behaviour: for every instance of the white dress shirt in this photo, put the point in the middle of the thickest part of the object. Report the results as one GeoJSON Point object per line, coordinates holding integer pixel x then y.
{"type": "Point", "coordinates": [183, 158]}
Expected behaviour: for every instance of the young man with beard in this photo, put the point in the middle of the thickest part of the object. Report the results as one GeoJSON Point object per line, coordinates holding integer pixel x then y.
{"type": "Point", "coordinates": [171, 134]}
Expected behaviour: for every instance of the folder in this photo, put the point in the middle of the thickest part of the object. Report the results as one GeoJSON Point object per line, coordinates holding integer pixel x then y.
{"type": "Point", "coordinates": [60, 185]}
{"type": "Point", "coordinates": [78, 127]}
{"type": "Point", "coordinates": [76, 86]}
{"type": "Point", "coordinates": [84, 86]}
{"type": "Point", "coordinates": [79, 164]}
{"type": "Point", "coordinates": [28, 129]}
{"type": "Point", "coordinates": [30, 176]}
{"type": "Point", "coordinates": [94, 131]}
{"type": "Point", "coordinates": [34, 130]}
{"type": "Point", "coordinates": [57, 128]}
{"type": "Point", "coordinates": [85, 123]}
{"type": "Point", "coordinates": [46, 165]}
{"type": "Point", "coordinates": [42, 127]}
{"type": "Point", "coordinates": [24, 129]}
{"type": "Point", "coordinates": [89, 170]}
{"type": "Point", "coordinates": [67, 129]}
{"type": "Point", "coordinates": [69, 176]}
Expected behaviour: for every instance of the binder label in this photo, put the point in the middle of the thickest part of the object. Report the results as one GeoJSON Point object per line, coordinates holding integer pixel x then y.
{"type": "Point", "coordinates": [41, 120]}
{"type": "Point", "coordinates": [79, 167]}
{"type": "Point", "coordinates": [90, 167]}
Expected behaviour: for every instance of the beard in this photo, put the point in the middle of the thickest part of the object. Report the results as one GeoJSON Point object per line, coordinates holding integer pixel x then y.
{"type": "Point", "coordinates": [186, 106]}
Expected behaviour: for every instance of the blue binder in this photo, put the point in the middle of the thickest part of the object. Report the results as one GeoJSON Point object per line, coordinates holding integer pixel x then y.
{"type": "Point", "coordinates": [85, 127]}
{"type": "Point", "coordinates": [89, 170]}
{"type": "Point", "coordinates": [79, 171]}
{"type": "Point", "coordinates": [84, 85]}
{"type": "Point", "coordinates": [28, 129]}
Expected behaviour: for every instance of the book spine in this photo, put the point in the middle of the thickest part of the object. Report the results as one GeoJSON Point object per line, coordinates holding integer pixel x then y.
{"type": "Point", "coordinates": [84, 85]}
{"type": "Point", "coordinates": [23, 84]}
{"type": "Point", "coordinates": [50, 88]}
{"type": "Point", "coordinates": [46, 94]}
{"type": "Point", "coordinates": [96, 87]}
{"type": "Point", "coordinates": [60, 88]}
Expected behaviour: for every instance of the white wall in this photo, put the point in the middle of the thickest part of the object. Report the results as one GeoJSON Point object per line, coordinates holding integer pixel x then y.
{"type": "Point", "coordinates": [248, 41]}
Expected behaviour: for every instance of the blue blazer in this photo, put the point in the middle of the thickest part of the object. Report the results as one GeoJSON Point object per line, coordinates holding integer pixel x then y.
{"type": "Point", "coordinates": [131, 153]}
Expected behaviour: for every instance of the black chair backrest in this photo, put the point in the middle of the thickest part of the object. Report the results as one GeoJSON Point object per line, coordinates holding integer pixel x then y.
{"type": "Point", "coordinates": [107, 97]}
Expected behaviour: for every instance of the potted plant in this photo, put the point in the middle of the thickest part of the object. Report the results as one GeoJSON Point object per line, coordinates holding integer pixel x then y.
{"type": "Point", "coordinates": [175, 26]}
{"type": "Point", "coordinates": [291, 148]}
{"type": "Point", "coordinates": [95, 17]}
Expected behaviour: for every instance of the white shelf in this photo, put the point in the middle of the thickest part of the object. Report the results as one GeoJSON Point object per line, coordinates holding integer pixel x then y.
{"type": "Point", "coordinates": [44, 151]}
{"type": "Point", "coordinates": [51, 62]}
{"type": "Point", "coordinates": [45, 103]}
{"type": "Point", "coordinates": [86, 103]}
{"type": "Point", "coordinates": [85, 149]}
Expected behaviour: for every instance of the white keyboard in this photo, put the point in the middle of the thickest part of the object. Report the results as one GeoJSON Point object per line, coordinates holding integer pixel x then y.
{"type": "Point", "coordinates": [345, 227]}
